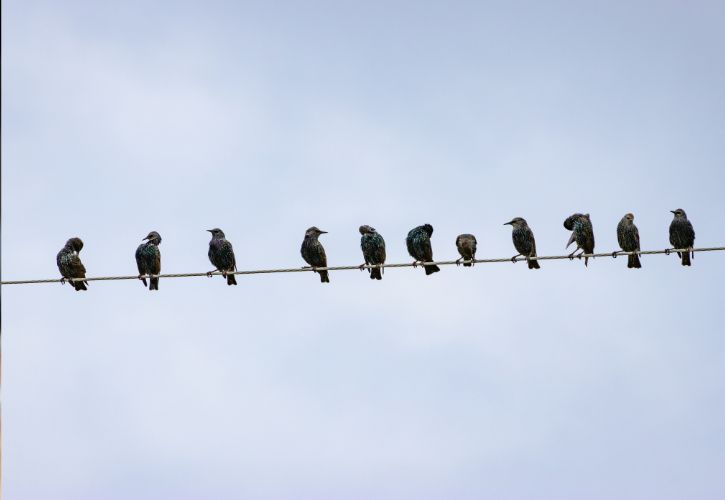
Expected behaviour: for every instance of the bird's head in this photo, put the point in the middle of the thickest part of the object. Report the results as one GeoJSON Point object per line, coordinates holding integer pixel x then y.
{"type": "Point", "coordinates": [216, 233]}
{"type": "Point", "coordinates": [153, 237]}
{"type": "Point", "coordinates": [367, 230]}
{"type": "Point", "coordinates": [629, 217]}
{"type": "Point", "coordinates": [314, 232]}
{"type": "Point", "coordinates": [516, 222]}
{"type": "Point", "coordinates": [428, 229]}
{"type": "Point", "coordinates": [75, 243]}
{"type": "Point", "coordinates": [679, 213]}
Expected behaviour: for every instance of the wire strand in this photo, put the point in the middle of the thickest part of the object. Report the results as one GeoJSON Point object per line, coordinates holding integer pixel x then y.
{"type": "Point", "coordinates": [365, 266]}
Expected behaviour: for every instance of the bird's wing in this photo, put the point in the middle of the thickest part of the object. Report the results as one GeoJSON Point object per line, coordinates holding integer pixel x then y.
{"type": "Point", "coordinates": [571, 239]}
{"type": "Point", "coordinates": [76, 266]}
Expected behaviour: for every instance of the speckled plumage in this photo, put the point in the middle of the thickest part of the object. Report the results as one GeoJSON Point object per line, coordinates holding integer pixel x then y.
{"type": "Point", "coordinates": [524, 241]}
{"type": "Point", "coordinates": [373, 249]}
{"type": "Point", "coordinates": [221, 255]}
{"type": "Point", "coordinates": [314, 253]}
{"type": "Point", "coordinates": [70, 265]}
{"type": "Point", "coordinates": [628, 238]}
{"type": "Point", "coordinates": [148, 259]}
{"type": "Point", "coordinates": [682, 235]}
{"type": "Point", "coordinates": [419, 246]}
{"type": "Point", "coordinates": [466, 245]}
{"type": "Point", "coordinates": [582, 234]}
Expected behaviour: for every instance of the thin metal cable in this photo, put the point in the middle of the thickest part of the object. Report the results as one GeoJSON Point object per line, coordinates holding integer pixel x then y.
{"type": "Point", "coordinates": [350, 268]}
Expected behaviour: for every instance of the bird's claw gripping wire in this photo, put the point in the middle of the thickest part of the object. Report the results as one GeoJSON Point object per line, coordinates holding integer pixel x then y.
{"type": "Point", "coordinates": [614, 254]}
{"type": "Point", "coordinates": [458, 261]}
{"type": "Point", "coordinates": [415, 263]}
{"type": "Point", "coordinates": [668, 251]}
{"type": "Point", "coordinates": [62, 281]}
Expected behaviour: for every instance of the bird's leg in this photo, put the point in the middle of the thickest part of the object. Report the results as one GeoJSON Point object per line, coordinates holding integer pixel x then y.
{"type": "Point", "coordinates": [513, 259]}
{"type": "Point", "coordinates": [62, 281]}
{"type": "Point", "coordinates": [210, 272]}
{"type": "Point", "coordinates": [614, 254]}
{"type": "Point", "coordinates": [571, 255]}
{"type": "Point", "coordinates": [141, 276]}
{"type": "Point", "coordinates": [668, 251]}
{"type": "Point", "coordinates": [458, 261]}
{"type": "Point", "coordinates": [415, 263]}
{"type": "Point", "coordinates": [362, 266]}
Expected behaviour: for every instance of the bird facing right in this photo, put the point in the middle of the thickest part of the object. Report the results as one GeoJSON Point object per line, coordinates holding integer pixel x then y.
{"type": "Point", "coordinates": [314, 253]}
{"type": "Point", "coordinates": [628, 238]}
{"type": "Point", "coordinates": [373, 249]}
{"type": "Point", "coordinates": [419, 247]}
{"type": "Point", "coordinates": [221, 255]}
{"type": "Point", "coordinates": [70, 265]}
{"type": "Point", "coordinates": [524, 242]}
{"type": "Point", "coordinates": [148, 259]}
{"type": "Point", "coordinates": [682, 235]}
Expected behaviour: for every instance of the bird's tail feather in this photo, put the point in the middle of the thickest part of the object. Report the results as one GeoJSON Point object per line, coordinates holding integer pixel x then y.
{"type": "Point", "coordinates": [431, 269]}
{"type": "Point", "coordinates": [686, 259]}
{"type": "Point", "coordinates": [154, 284]}
{"type": "Point", "coordinates": [143, 280]}
{"type": "Point", "coordinates": [231, 280]}
{"type": "Point", "coordinates": [467, 264]}
{"type": "Point", "coordinates": [534, 264]}
{"type": "Point", "coordinates": [633, 262]}
{"type": "Point", "coordinates": [376, 273]}
{"type": "Point", "coordinates": [324, 278]}
{"type": "Point", "coordinates": [81, 285]}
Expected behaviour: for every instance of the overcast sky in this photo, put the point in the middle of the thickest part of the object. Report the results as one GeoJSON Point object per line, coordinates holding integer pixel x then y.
{"type": "Point", "coordinates": [265, 118]}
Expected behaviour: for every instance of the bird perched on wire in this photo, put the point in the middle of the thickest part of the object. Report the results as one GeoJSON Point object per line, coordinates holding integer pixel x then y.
{"type": "Point", "coordinates": [466, 244]}
{"type": "Point", "coordinates": [148, 259]}
{"type": "Point", "coordinates": [582, 232]}
{"type": "Point", "coordinates": [682, 235]}
{"type": "Point", "coordinates": [419, 247]}
{"type": "Point", "coordinates": [628, 238]}
{"type": "Point", "coordinates": [314, 253]}
{"type": "Point", "coordinates": [373, 249]}
{"type": "Point", "coordinates": [524, 242]}
{"type": "Point", "coordinates": [70, 265]}
{"type": "Point", "coordinates": [221, 255]}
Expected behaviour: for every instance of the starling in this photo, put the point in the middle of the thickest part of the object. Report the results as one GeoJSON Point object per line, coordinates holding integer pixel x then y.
{"type": "Point", "coordinates": [70, 265]}
{"type": "Point", "coordinates": [682, 235]}
{"type": "Point", "coordinates": [148, 259]}
{"type": "Point", "coordinates": [524, 241]}
{"type": "Point", "coordinates": [418, 242]}
{"type": "Point", "coordinates": [582, 232]}
{"type": "Point", "coordinates": [466, 244]}
{"type": "Point", "coordinates": [221, 255]}
{"type": "Point", "coordinates": [628, 238]}
{"type": "Point", "coordinates": [373, 249]}
{"type": "Point", "coordinates": [314, 253]}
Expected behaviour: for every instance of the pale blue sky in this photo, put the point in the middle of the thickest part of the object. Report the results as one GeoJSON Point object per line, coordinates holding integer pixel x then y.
{"type": "Point", "coordinates": [266, 118]}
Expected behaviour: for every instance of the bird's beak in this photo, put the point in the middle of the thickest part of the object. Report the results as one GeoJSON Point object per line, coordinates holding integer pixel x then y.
{"type": "Point", "coordinates": [507, 223]}
{"type": "Point", "coordinates": [210, 230]}
{"type": "Point", "coordinates": [323, 232]}
{"type": "Point", "coordinates": [144, 239]}
{"type": "Point", "coordinates": [673, 211]}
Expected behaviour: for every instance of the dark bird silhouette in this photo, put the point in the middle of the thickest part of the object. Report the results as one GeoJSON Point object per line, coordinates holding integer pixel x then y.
{"type": "Point", "coordinates": [524, 242]}
{"type": "Point", "coordinates": [221, 255]}
{"type": "Point", "coordinates": [373, 249]}
{"type": "Point", "coordinates": [582, 232]}
{"type": "Point", "coordinates": [70, 265]}
{"type": "Point", "coordinates": [314, 253]}
{"type": "Point", "coordinates": [419, 247]}
{"type": "Point", "coordinates": [682, 235]}
{"type": "Point", "coordinates": [148, 259]}
{"type": "Point", "coordinates": [466, 244]}
{"type": "Point", "coordinates": [628, 238]}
